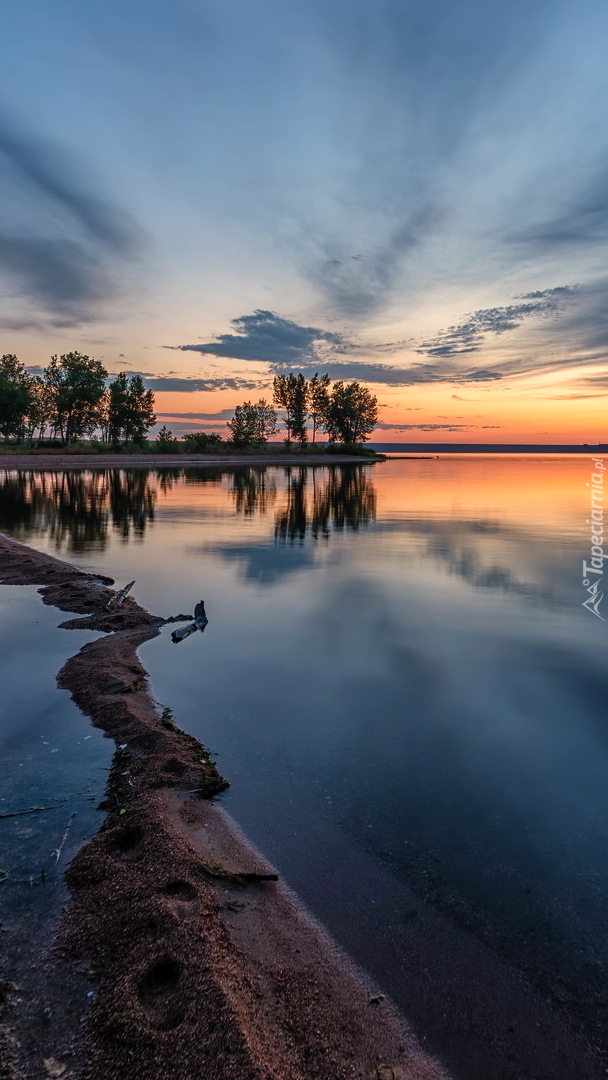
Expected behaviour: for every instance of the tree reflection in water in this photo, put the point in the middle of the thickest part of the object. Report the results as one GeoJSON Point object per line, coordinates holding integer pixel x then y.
{"type": "Point", "coordinates": [77, 508]}
{"type": "Point", "coordinates": [253, 491]}
{"type": "Point", "coordinates": [318, 504]}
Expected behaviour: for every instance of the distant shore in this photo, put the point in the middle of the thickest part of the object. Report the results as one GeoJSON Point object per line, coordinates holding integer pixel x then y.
{"type": "Point", "coordinates": [593, 450]}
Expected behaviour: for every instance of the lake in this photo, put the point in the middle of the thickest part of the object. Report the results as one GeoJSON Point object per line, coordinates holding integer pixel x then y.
{"type": "Point", "coordinates": [398, 679]}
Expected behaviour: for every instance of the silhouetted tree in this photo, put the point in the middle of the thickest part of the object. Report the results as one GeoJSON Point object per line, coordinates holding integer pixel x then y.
{"type": "Point", "coordinates": [76, 384]}
{"type": "Point", "coordinates": [252, 423]}
{"type": "Point", "coordinates": [165, 441]}
{"type": "Point", "coordinates": [39, 410]}
{"type": "Point", "coordinates": [131, 410]}
{"type": "Point", "coordinates": [290, 392]}
{"type": "Point", "coordinates": [201, 442]}
{"type": "Point", "coordinates": [351, 413]}
{"type": "Point", "coordinates": [14, 397]}
{"type": "Point", "coordinates": [318, 398]}
{"type": "Point", "coordinates": [103, 416]}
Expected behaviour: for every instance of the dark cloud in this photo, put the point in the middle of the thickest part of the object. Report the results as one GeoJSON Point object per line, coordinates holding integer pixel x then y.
{"type": "Point", "coordinates": [266, 337]}
{"type": "Point", "coordinates": [58, 273]}
{"type": "Point", "coordinates": [470, 335]}
{"type": "Point", "coordinates": [409, 376]}
{"type": "Point", "coordinates": [175, 384]}
{"type": "Point", "coordinates": [60, 244]}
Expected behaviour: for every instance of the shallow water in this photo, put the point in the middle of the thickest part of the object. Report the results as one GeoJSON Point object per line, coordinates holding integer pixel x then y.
{"type": "Point", "coordinates": [51, 757]}
{"type": "Point", "coordinates": [398, 678]}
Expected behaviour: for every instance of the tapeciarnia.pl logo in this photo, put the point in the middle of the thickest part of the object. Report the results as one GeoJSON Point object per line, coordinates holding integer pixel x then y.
{"type": "Point", "coordinates": [594, 571]}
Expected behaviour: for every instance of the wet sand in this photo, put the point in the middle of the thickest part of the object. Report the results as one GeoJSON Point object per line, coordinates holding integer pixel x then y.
{"type": "Point", "coordinates": [200, 965]}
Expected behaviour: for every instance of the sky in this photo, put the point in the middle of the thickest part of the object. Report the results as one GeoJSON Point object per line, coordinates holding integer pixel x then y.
{"type": "Point", "coordinates": [409, 194]}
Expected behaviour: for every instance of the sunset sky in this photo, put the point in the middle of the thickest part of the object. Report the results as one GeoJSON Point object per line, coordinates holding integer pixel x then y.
{"type": "Point", "coordinates": [411, 194]}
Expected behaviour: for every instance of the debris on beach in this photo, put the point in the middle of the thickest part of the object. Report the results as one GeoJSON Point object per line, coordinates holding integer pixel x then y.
{"type": "Point", "coordinates": [200, 622]}
{"type": "Point", "coordinates": [116, 601]}
{"type": "Point", "coordinates": [54, 1067]}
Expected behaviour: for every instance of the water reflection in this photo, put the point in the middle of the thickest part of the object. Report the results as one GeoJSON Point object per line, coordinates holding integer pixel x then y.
{"type": "Point", "coordinates": [76, 509]}
{"type": "Point", "coordinates": [253, 491]}
{"type": "Point", "coordinates": [344, 499]}
{"type": "Point", "coordinates": [464, 550]}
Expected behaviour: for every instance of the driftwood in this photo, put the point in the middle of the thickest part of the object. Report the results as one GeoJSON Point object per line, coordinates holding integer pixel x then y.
{"type": "Point", "coordinates": [239, 877]}
{"type": "Point", "coordinates": [200, 622]}
{"type": "Point", "coordinates": [258, 877]}
{"type": "Point", "coordinates": [57, 852]}
{"type": "Point", "coordinates": [34, 810]}
{"type": "Point", "coordinates": [116, 601]}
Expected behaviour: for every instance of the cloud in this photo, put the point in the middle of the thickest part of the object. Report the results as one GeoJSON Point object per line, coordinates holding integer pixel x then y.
{"type": "Point", "coordinates": [356, 285]}
{"type": "Point", "coordinates": [265, 337]}
{"type": "Point", "coordinates": [176, 384]}
{"type": "Point", "coordinates": [469, 335]}
{"type": "Point", "coordinates": [433, 427]}
{"type": "Point", "coordinates": [595, 380]}
{"type": "Point", "coordinates": [577, 397]}
{"type": "Point", "coordinates": [584, 221]}
{"type": "Point", "coordinates": [60, 244]}
{"type": "Point", "coordinates": [223, 414]}
{"type": "Point", "coordinates": [422, 427]}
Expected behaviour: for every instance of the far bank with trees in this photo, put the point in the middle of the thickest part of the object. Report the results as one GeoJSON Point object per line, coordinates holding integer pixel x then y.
{"type": "Point", "coordinates": [74, 400]}
{"type": "Point", "coordinates": [71, 401]}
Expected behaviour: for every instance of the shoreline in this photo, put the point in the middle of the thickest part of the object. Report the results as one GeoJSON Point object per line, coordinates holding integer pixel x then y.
{"type": "Point", "coordinates": [59, 462]}
{"type": "Point", "coordinates": [198, 970]}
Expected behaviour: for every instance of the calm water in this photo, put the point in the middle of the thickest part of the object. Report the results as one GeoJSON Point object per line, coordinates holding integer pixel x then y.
{"type": "Point", "coordinates": [398, 679]}
{"type": "Point", "coordinates": [51, 757]}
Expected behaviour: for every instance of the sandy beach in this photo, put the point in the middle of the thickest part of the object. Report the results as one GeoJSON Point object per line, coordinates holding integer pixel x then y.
{"type": "Point", "coordinates": [58, 462]}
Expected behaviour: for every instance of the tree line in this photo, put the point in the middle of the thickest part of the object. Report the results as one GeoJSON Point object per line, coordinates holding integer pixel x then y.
{"type": "Point", "coordinates": [71, 400]}
{"type": "Point", "coordinates": [346, 412]}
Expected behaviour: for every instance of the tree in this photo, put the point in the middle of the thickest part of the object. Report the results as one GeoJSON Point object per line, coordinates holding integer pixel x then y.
{"type": "Point", "coordinates": [165, 441]}
{"type": "Point", "coordinates": [351, 413]}
{"type": "Point", "coordinates": [131, 410]}
{"type": "Point", "coordinates": [290, 392]}
{"type": "Point", "coordinates": [318, 397]}
{"type": "Point", "coordinates": [77, 383]}
{"type": "Point", "coordinates": [40, 409]}
{"type": "Point", "coordinates": [117, 408]}
{"type": "Point", "coordinates": [14, 397]}
{"type": "Point", "coordinates": [201, 442]}
{"type": "Point", "coordinates": [252, 423]}
{"type": "Point", "coordinates": [102, 413]}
